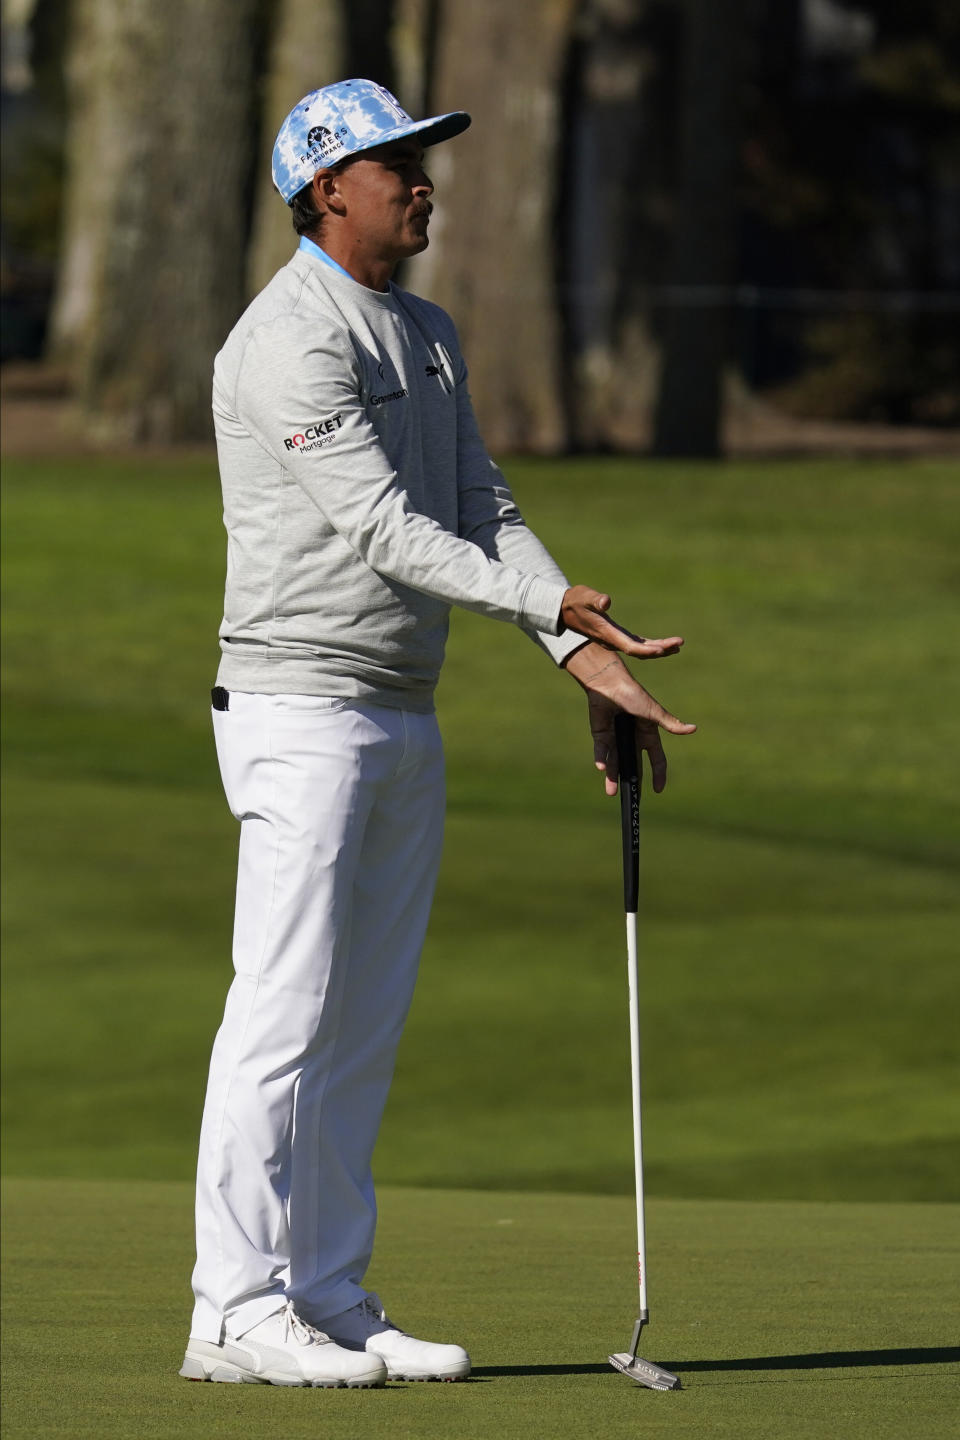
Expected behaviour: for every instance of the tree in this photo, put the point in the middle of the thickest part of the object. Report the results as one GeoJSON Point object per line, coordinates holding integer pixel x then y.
{"type": "Point", "coordinates": [619, 126]}
{"type": "Point", "coordinates": [306, 50]}
{"type": "Point", "coordinates": [156, 214]}
{"type": "Point", "coordinates": [312, 43]}
{"type": "Point", "coordinates": [702, 271]}
{"type": "Point", "coordinates": [491, 260]}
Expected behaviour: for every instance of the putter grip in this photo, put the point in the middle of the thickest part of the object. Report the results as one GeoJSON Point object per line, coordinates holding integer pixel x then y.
{"type": "Point", "coordinates": [625, 730]}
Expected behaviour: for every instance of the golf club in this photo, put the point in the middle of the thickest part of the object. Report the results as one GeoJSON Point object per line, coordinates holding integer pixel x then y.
{"type": "Point", "coordinates": [628, 1362]}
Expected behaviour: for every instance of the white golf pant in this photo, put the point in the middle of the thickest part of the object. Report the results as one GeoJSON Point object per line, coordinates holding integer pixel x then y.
{"type": "Point", "coordinates": [341, 809]}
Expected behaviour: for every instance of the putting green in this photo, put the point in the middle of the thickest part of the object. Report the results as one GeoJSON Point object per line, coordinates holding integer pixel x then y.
{"type": "Point", "coordinates": [783, 1319]}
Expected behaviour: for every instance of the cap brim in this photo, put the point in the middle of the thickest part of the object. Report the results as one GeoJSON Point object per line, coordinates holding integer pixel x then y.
{"type": "Point", "coordinates": [444, 127]}
{"type": "Point", "coordinates": [429, 132]}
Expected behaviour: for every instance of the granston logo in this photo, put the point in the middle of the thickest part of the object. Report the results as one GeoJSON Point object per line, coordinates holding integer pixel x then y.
{"type": "Point", "coordinates": [394, 395]}
{"type": "Point", "coordinates": [311, 437]}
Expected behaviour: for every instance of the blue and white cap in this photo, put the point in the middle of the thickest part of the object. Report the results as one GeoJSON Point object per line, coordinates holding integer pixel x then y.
{"type": "Point", "coordinates": [341, 120]}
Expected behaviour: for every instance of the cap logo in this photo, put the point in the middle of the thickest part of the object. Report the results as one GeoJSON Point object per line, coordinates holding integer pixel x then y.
{"type": "Point", "coordinates": [322, 143]}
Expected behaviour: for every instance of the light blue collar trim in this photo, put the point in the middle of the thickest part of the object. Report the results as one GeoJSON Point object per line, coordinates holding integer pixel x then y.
{"type": "Point", "coordinates": [318, 254]}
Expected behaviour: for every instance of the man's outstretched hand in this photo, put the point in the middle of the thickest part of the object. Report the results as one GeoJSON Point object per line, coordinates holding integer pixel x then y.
{"type": "Point", "coordinates": [610, 689]}
{"type": "Point", "coordinates": [585, 611]}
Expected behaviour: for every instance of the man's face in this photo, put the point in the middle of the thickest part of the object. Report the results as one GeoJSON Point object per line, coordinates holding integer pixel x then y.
{"type": "Point", "coordinates": [386, 195]}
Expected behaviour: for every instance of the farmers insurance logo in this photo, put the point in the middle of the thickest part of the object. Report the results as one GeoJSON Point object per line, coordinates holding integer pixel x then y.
{"type": "Point", "coordinates": [311, 437]}
{"type": "Point", "coordinates": [327, 142]}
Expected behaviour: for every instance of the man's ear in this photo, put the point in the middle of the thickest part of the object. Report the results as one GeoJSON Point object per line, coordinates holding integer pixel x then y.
{"type": "Point", "coordinates": [326, 191]}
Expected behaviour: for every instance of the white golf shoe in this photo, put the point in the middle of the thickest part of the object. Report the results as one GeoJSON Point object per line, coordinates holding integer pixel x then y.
{"type": "Point", "coordinates": [366, 1326]}
{"type": "Point", "coordinates": [283, 1350]}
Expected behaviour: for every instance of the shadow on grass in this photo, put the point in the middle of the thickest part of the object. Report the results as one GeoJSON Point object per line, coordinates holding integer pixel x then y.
{"type": "Point", "coordinates": [816, 1360]}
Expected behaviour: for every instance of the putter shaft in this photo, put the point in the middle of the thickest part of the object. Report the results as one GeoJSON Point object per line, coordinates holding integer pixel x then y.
{"type": "Point", "coordinates": [654, 1377]}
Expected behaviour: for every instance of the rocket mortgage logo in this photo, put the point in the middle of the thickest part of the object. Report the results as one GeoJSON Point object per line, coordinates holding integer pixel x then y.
{"type": "Point", "coordinates": [311, 437]}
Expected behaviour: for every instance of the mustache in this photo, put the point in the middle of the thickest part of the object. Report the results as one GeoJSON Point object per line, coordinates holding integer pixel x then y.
{"type": "Point", "coordinates": [423, 211]}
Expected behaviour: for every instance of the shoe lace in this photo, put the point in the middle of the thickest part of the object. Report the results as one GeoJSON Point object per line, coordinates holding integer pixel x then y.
{"type": "Point", "coordinates": [297, 1328]}
{"type": "Point", "coordinates": [372, 1305]}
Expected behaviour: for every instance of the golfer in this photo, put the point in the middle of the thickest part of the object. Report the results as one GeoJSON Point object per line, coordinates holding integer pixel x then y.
{"type": "Point", "coordinates": [359, 505]}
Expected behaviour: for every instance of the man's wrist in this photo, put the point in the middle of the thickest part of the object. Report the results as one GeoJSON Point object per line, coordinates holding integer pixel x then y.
{"type": "Point", "coordinates": [590, 661]}
{"type": "Point", "coordinates": [577, 644]}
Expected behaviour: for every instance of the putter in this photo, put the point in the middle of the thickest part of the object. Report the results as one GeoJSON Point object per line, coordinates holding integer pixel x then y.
{"type": "Point", "coordinates": [628, 1362]}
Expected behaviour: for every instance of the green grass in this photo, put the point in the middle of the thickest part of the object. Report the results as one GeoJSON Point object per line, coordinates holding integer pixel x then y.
{"type": "Point", "coordinates": [820, 1322]}
{"type": "Point", "coordinates": [799, 889]}
{"type": "Point", "coordinates": [798, 935]}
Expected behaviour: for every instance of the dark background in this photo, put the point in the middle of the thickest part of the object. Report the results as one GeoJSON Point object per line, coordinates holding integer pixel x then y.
{"type": "Point", "coordinates": [694, 221]}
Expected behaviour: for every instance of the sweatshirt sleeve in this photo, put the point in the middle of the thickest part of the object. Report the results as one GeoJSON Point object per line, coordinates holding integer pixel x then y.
{"type": "Point", "coordinates": [299, 395]}
{"type": "Point", "coordinates": [490, 518]}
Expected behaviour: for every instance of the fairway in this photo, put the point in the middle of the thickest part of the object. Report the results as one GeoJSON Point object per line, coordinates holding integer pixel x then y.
{"type": "Point", "coordinates": [799, 903]}
{"type": "Point", "coordinates": [783, 1320]}
{"type": "Point", "coordinates": [798, 923]}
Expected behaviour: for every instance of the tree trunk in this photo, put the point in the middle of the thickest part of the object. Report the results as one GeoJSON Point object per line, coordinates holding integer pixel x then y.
{"type": "Point", "coordinates": [413, 36]}
{"type": "Point", "coordinates": [620, 111]}
{"type": "Point", "coordinates": [95, 161]}
{"type": "Point", "coordinates": [702, 271]}
{"type": "Point", "coordinates": [492, 261]}
{"type": "Point", "coordinates": [312, 43]}
{"type": "Point", "coordinates": [307, 50]}
{"type": "Point", "coordinates": [156, 221]}
{"type": "Point", "coordinates": [369, 25]}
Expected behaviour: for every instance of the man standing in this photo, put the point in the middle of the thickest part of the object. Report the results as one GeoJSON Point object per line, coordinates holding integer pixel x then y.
{"type": "Point", "coordinates": [359, 505]}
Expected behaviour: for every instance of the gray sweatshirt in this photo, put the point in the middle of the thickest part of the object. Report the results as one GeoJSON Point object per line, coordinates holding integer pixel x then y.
{"type": "Point", "coordinates": [358, 499]}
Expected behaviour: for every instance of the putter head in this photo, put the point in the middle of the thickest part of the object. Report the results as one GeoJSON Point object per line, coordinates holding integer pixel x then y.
{"type": "Point", "coordinates": [645, 1373]}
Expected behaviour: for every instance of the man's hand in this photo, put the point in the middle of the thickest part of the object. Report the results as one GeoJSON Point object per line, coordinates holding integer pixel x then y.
{"type": "Point", "coordinates": [584, 610]}
{"type": "Point", "coordinates": [611, 688]}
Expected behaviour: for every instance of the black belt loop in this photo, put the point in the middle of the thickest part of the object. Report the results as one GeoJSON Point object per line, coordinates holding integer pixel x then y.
{"type": "Point", "coordinates": [220, 698]}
